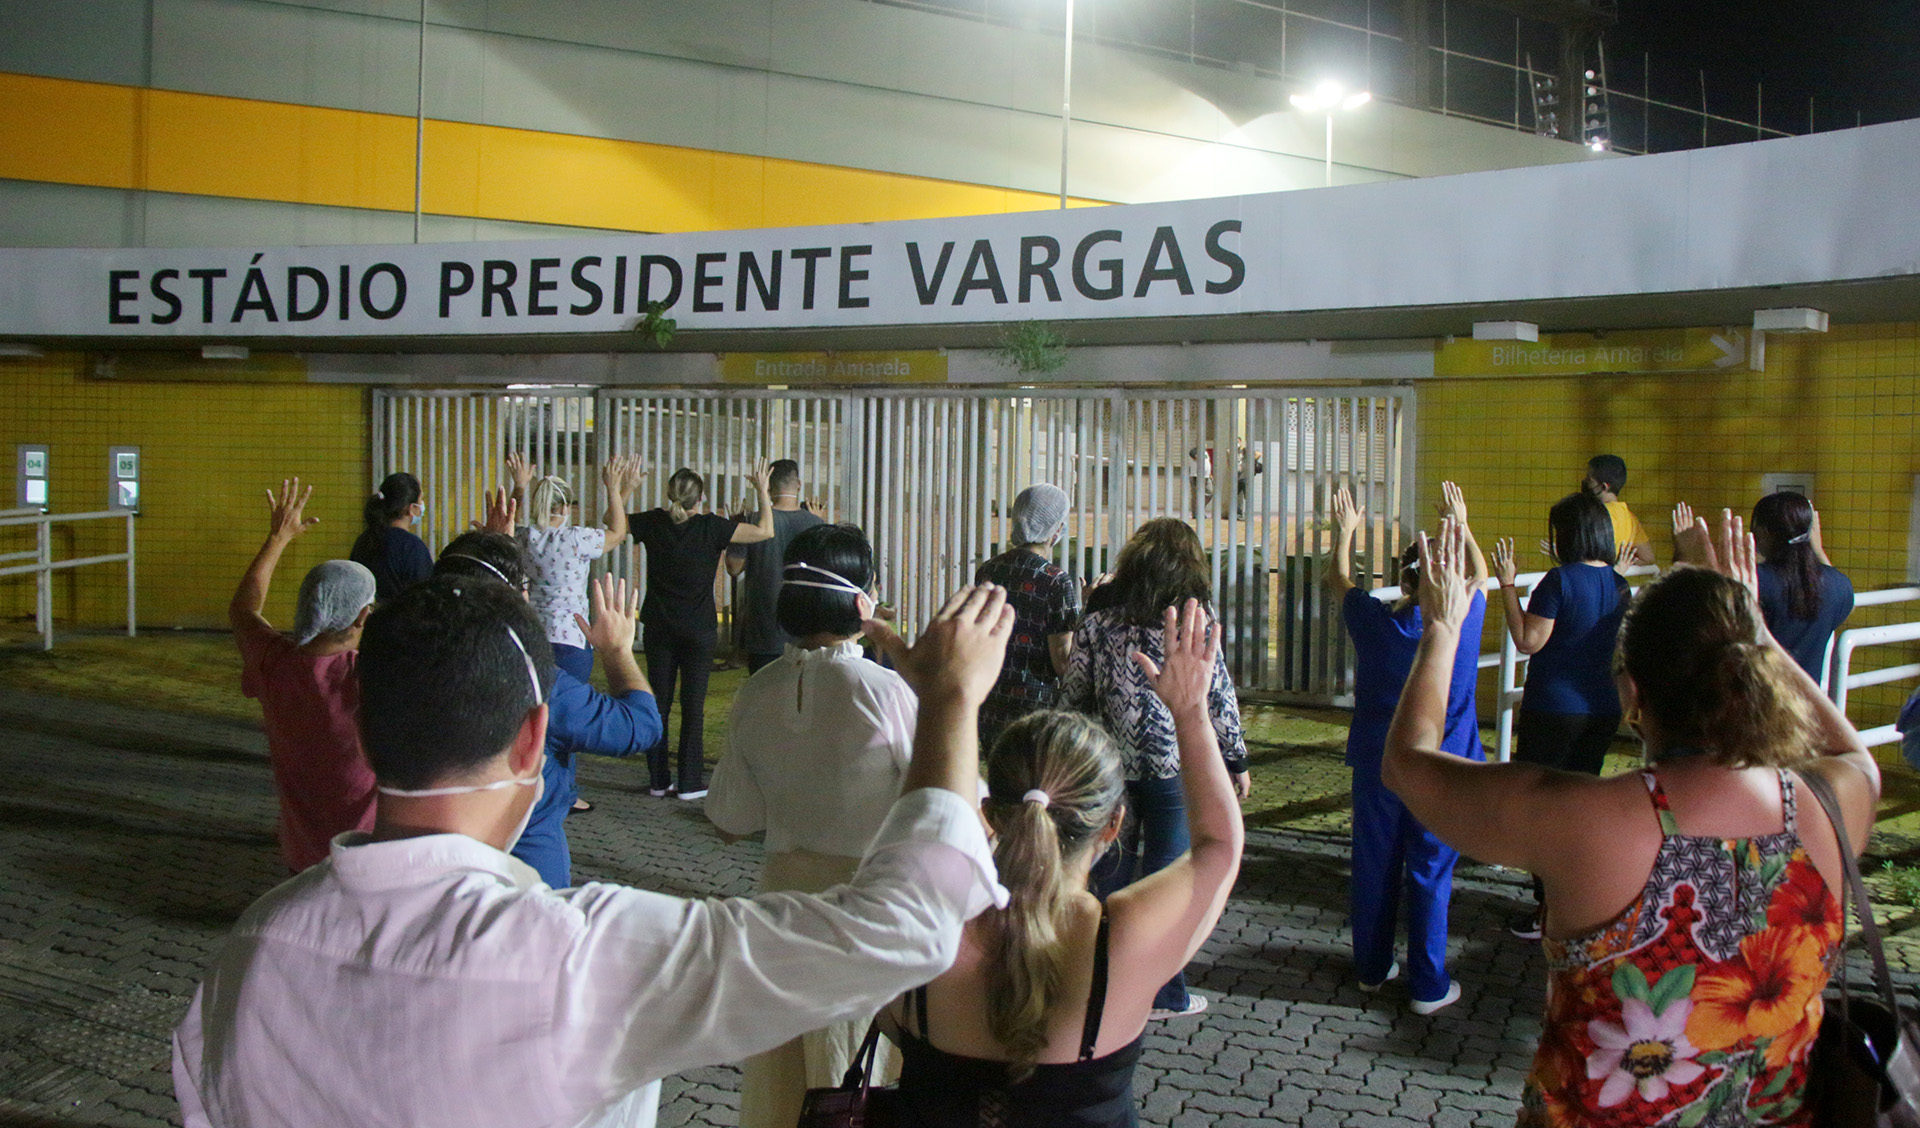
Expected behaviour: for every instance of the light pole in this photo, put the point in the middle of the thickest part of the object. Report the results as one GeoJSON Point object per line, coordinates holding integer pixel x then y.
{"type": "Point", "coordinates": [1066, 102]}
{"type": "Point", "coordinates": [1325, 99]}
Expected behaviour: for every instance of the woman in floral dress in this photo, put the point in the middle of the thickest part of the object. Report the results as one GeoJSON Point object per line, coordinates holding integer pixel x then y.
{"type": "Point", "coordinates": [1691, 919]}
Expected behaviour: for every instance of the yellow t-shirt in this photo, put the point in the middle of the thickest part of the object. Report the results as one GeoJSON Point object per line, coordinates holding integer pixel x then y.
{"type": "Point", "coordinates": [1626, 527]}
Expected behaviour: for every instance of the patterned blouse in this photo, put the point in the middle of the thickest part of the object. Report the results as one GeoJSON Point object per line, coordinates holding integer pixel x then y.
{"type": "Point", "coordinates": [1046, 602]}
{"type": "Point", "coordinates": [558, 560]}
{"type": "Point", "coordinates": [1696, 1006]}
{"type": "Point", "coordinates": [1103, 681]}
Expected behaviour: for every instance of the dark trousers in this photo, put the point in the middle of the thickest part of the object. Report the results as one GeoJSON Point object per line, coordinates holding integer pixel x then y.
{"type": "Point", "coordinates": [755, 661]}
{"type": "Point", "coordinates": [1572, 742]}
{"type": "Point", "coordinates": [1154, 838]}
{"type": "Point", "coordinates": [1394, 855]}
{"type": "Point", "coordinates": [690, 661]}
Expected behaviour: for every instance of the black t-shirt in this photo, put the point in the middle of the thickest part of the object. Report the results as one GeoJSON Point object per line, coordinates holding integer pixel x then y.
{"type": "Point", "coordinates": [682, 561]}
{"type": "Point", "coordinates": [397, 559]}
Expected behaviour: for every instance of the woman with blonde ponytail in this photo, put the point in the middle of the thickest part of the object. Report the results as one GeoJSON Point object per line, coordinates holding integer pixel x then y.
{"type": "Point", "coordinates": [1038, 1023]}
{"type": "Point", "coordinates": [679, 620]}
{"type": "Point", "coordinates": [1691, 914]}
{"type": "Point", "coordinates": [560, 552]}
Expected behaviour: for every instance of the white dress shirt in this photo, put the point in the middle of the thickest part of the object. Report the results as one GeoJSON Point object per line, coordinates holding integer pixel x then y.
{"type": "Point", "coordinates": [436, 981]}
{"type": "Point", "coordinates": [817, 747]}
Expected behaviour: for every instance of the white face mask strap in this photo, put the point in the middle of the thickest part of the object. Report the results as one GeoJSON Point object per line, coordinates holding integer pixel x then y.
{"type": "Point", "coordinates": [840, 583]}
{"type": "Point", "coordinates": [464, 789]}
{"type": "Point", "coordinates": [483, 564]}
{"type": "Point", "coordinates": [533, 675]}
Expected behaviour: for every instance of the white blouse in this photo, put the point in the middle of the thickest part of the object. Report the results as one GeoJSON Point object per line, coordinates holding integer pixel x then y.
{"type": "Point", "coordinates": [560, 559]}
{"type": "Point", "coordinates": [817, 747]}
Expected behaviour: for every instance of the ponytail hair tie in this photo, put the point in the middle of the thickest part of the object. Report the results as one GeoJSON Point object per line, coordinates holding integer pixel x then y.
{"type": "Point", "coordinates": [1802, 538]}
{"type": "Point", "coordinates": [1037, 796]}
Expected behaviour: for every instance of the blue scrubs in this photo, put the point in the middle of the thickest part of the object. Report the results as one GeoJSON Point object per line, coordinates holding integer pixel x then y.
{"type": "Point", "coordinates": [1393, 855]}
{"type": "Point", "coordinates": [579, 719]}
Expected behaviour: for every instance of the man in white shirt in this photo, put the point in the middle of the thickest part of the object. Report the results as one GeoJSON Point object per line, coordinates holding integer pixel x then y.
{"type": "Point", "coordinates": [423, 976]}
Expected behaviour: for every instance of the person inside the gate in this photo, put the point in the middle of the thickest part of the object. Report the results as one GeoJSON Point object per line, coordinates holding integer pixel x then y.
{"type": "Point", "coordinates": [308, 689]}
{"type": "Point", "coordinates": [1691, 906]}
{"type": "Point", "coordinates": [762, 637]}
{"type": "Point", "coordinates": [1394, 856]}
{"type": "Point", "coordinates": [1046, 607]}
{"type": "Point", "coordinates": [817, 747]}
{"type": "Point", "coordinates": [1803, 596]}
{"type": "Point", "coordinates": [679, 619]}
{"type": "Point", "coordinates": [559, 552]}
{"type": "Point", "coordinates": [1605, 478]}
{"type": "Point", "coordinates": [1162, 565]}
{"type": "Point", "coordinates": [387, 547]}
{"type": "Point", "coordinates": [1039, 1022]}
{"type": "Point", "coordinates": [580, 719]}
{"type": "Point", "coordinates": [1569, 711]}
{"type": "Point", "coordinates": [423, 975]}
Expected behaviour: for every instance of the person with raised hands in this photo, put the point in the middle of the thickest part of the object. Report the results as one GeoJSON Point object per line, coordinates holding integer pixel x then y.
{"type": "Point", "coordinates": [1690, 907]}
{"type": "Point", "coordinates": [560, 552]}
{"type": "Point", "coordinates": [422, 975]}
{"type": "Point", "coordinates": [1395, 858]}
{"type": "Point", "coordinates": [1039, 1021]}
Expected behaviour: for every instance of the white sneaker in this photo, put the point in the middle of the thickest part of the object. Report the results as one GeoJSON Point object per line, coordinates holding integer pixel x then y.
{"type": "Point", "coordinates": [1451, 997]}
{"type": "Point", "coordinates": [700, 794]}
{"type": "Point", "coordinates": [1393, 973]}
{"type": "Point", "coordinates": [659, 792]}
{"type": "Point", "coordinates": [1195, 1004]}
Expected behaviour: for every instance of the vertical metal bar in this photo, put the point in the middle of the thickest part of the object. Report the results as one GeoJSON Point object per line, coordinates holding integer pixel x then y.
{"type": "Point", "coordinates": [131, 620]}
{"type": "Point", "coordinates": [43, 580]}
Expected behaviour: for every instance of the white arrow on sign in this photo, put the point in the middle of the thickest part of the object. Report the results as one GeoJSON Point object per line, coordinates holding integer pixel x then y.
{"type": "Point", "coordinates": [1733, 348]}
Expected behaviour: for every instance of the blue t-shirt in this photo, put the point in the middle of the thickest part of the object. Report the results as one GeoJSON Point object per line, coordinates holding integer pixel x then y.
{"type": "Point", "coordinates": [1573, 672]}
{"type": "Point", "coordinates": [397, 559]}
{"type": "Point", "coordinates": [579, 719]}
{"type": "Point", "coordinates": [1805, 639]}
{"type": "Point", "coordinates": [1384, 643]}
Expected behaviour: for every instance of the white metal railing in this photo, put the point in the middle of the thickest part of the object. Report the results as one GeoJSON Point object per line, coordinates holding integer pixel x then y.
{"type": "Point", "coordinates": [1840, 677]}
{"type": "Point", "coordinates": [44, 566]}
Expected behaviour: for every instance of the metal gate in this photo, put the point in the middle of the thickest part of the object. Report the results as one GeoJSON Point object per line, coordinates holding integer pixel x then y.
{"type": "Point", "coordinates": [929, 476]}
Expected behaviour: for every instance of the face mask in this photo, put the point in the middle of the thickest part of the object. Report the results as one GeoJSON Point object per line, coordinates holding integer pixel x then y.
{"type": "Point", "coordinates": [419, 515]}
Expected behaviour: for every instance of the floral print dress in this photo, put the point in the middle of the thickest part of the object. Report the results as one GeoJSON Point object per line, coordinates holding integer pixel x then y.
{"type": "Point", "coordinates": [1696, 1006]}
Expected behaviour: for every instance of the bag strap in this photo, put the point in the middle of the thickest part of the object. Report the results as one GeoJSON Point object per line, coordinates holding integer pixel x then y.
{"type": "Point", "coordinates": [1863, 906]}
{"type": "Point", "coordinates": [860, 1072]}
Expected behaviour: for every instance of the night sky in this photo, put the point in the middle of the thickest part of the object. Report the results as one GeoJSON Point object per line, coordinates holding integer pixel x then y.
{"type": "Point", "coordinates": [1850, 55]}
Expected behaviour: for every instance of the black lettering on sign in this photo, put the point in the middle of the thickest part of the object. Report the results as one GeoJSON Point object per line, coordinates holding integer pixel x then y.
{"type": "Point", "coordinates": [988, 279]}
{"type": "Point", "coordinates": [672, 267]}
{"type": "Point", "coordinates": [928, 291]}
{"type": "Point", "coordinates": [587, 286]}
{"type": "Point", "coordinates": [399, 290]}
{"type": "Point", "coordinates": [1236, 266]}
{"type": "Point", "coordinates": [702, 281]}
{"type": "Point", "coordinates": [346, 295]}
{"type": "Point", "coordinates": [768, 286]}
{"type": "Point", "coordinates": [451, 289]}
{"type": "Point", "coordinates": [538, 283]}
{"type": "Point", "coordinates": [1175, 271]}
{"type": "Point", "coordinates": [294, 310]}
{"type": "Point", "coordinates": [848, 276]}
{"type": "Point", "coordinates": [254, 297]}
{"type": "Point", "coordinates": [173, 303]}
{"type": "Point", "coordinates": [620, 283]}
{"type": "Point", "coordinates": [1042, 269]}
{"type": "Point", "coordinates": [1116, 279]}
{"type": "Point", "coordinates": [118, 295]}
{"type": "Point", "coordinates": [496, 281]}
{"type": "Point", "coordinates": [206, 276]}
{"type": "Point", "coordinates": [810, 256]}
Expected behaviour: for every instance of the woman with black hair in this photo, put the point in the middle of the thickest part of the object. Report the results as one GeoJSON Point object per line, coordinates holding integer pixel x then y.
{"type": "Point", "coordinates": [817, 746]}
{"type": "Point", "coordinates": [1162, 565]}
{"type": "Point", "coordinates": [387, 546]}
{"type": "Point", "coordinates": [1802, 595]}
{"type": "Point", "coordinates": [1569, 711]}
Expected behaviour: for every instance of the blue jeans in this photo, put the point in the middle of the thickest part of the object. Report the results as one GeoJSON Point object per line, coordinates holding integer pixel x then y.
{"type": "Point", "coordinates": [1155, 836]}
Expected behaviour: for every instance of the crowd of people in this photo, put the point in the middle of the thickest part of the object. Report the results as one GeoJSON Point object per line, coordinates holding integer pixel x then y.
{"type": "Point", "coordinates": [1002, 843]}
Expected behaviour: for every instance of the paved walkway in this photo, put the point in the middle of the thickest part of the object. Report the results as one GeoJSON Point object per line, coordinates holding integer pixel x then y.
{"type": "Point", "coordinates": [133, 838]}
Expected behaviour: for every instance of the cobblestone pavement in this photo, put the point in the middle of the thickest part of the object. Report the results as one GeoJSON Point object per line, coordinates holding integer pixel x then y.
{"type": "Point", "coordinates": [133, 838]}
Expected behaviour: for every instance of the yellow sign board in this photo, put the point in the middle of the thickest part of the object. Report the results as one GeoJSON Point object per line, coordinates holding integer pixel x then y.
{"type": "Point", "coordinates": [925, 366]}
{"type": "Point", "coordinates": [1574, 354]}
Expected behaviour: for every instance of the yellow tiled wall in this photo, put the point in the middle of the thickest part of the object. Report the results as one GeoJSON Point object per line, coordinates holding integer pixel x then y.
{"type": "Point", "coordinates": [1839, 405]}
{"type": "Point", "coordinates": [208, 454]}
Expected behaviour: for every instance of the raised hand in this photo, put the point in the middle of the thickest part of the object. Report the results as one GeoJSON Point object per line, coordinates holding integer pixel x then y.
{"type": "Point", "coordinates": [1190, 646]}
{"type": "Point", "coordinates": [502, 509]}
{"type": "Point", "coordinates": [1692, 539]}
{"type": "Point", "coordinates": [1546, 550]}
{"type": "Point", "coordinates": [616, 610]}
{"type": "Point", "coordinates": [960, 652]}
{"type": "Point", "coordinates": [1346, 515]}
{"type": "Point", "coordinates": [520, 470]}
{"type": "Point", "coordinates": [284, 511]}
{"type": "Point", "coordinates": [1738, 558]}
{"type": "Point", "coordinates": [762, 475]}
{"type": "Point", "coordinates": [1444, 596]}
{"type": "Point", "coordinates": [1452, 504]}
{"type": "Point", "coordinates": [1504, 567]}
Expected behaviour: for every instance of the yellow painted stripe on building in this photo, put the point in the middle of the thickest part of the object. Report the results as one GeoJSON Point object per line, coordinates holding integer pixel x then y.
{"type": "Point", "coordinates": [68, 132]}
